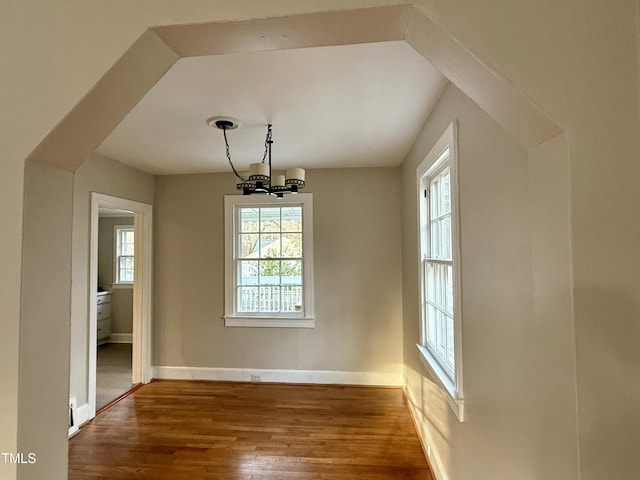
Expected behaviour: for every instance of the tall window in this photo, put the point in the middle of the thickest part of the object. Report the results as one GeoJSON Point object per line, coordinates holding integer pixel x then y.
{"type": "Point", "coordinates": [124, 257]}
{"type": "Point", "coordinates": [437, 264]}
{"type": "Point", "coordinates": [440, 343]}
{"type": "Point", "coordinates": [269, 261]}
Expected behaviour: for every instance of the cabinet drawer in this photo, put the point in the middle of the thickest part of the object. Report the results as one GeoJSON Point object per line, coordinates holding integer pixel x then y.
{"type": "Point", "coordinates": [104, 329]}
{"type": "Point", "coordinates": [104, 298]}
{"type": "Point", "coordinates": [104, 311]}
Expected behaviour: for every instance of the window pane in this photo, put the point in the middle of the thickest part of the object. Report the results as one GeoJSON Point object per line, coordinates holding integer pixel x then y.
{"type": "Point", "coordinates": [431, 326]}
{"type": "Point", "coordinates": [446, 238]}
{"type": "Point", "coordinates": [128, 236]}
{"type": "Point", "coordinates": [248, 272]}
{"type": "Point", "coordinates": [451, 356]}
{"type": "Point", "coordinates": [291, 298]}
{"type": "Point", "coordinates": [292, 245]}
{"type": "Point", "coordinates": [441, 333]}
{"type": "Point", "coordinates": [269, 299]}
{"type": "Point", "coordinates": [270, 245]}
{"type": "Point", "coordinates": [249, 245]}
{"type": "Point", "coordinates": [292, 219]}
{"type": "Point", "coordinates": [441, 286]}
{"type": "Point", "coordinates": [248, 219]}
{"type": "Point", "coordinates": [435, 240]}
{"type": "Point", "coordinates": [449, 288]}
{"type": "Point", "coordinates": [445, 189]}
{"type": "Point", "coordinates": [270, 219]}
{"type": "Point", "coordinates": [292, 272]}
{"type": "Point", "coordinates": [127, 249]}
{"type": "Point", "coordinates": [270, 272]}
{"type": "Point", "coordinates": [431, 283]}
{"type": "Point", "coordinates": [125, 269]}
{"type": "Point", "coordinates": [247, 299]}
{"type": "Point", "coordinates": [434, 197]}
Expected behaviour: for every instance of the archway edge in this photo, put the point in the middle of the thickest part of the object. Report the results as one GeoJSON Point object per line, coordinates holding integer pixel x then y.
{"type": "Point", "coordinates": [83, 129]}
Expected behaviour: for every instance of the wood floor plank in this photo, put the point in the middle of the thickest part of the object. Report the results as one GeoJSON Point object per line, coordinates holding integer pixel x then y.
{"type": "Point", "coordinates": [220, 430]}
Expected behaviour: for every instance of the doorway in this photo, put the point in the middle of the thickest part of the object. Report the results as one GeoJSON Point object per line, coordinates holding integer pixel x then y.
{"type": "Point", "coordinates": [119, 340]}
{"type": "Point", "coordinates": [116, 258]}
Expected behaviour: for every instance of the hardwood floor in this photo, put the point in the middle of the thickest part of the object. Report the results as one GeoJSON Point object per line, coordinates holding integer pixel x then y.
{"type": "Point", "coordinates": [195, 430]}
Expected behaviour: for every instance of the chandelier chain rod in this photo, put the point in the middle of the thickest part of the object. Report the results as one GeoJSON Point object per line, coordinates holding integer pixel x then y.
{"type": "Point", "coordinates": [266, 143]}
{"type": "Point", "coordinates": [226, 142]}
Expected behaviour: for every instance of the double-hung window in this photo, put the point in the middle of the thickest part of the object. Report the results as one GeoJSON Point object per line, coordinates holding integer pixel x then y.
{"type": "Point", "coordinates": [269, 261]}
{"type": "Point", "coordinates": [124, 255]}
{"type": "Point", "coordinates": [440, 312]}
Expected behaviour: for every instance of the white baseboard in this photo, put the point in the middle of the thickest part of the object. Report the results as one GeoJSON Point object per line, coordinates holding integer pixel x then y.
{"type": "Point", "coordinates": [81, 417]}
{"type": "Point", "coordinates": [121, 338]}
{"type": "Point", "coordinates": [83, 414]}
{"type": "Point", "coordinates": [279, 376]}
{"type": "Point", "coordinates": [427, 441]}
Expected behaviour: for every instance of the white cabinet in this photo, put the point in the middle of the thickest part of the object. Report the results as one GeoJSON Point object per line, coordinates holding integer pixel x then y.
{"type": "Point", "coordinates": [104, 316]}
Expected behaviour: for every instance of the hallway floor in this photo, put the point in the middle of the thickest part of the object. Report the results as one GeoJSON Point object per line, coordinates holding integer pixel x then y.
{"type": "Point", "coordinates": [113, 372]}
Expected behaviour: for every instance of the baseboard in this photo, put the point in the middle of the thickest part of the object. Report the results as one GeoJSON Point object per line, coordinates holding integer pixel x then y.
{"type": "Point", "coordinates": [278, 376]}
{"type": "Point", "coordinates": [81, 417]}
{"type": "Point", "coordinates": [427, 441]}
{"type": "Point", "coordinates": [121, 338]}
{"type": "Point", "coordinates": [83, 414]}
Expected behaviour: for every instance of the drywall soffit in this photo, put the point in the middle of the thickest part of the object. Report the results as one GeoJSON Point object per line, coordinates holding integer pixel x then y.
{"type": "Point", "coordinates": [508, 106]}
{"type": "Point", "coordinates": [145, 62]}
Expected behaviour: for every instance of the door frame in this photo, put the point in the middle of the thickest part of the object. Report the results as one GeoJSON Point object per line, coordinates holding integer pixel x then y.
{"type": "Point", "coordinates": [142, 290]}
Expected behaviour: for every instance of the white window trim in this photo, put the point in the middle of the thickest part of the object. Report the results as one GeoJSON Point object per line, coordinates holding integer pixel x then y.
{"type": "Point", "coordinates": [231, 317]}
{"type": "Point", "coordinates": [452, 390]}
{"type": "Point", "coordinates": [117, 284]}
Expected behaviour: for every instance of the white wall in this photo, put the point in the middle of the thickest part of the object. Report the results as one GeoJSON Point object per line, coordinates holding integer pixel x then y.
{"type": "Point", "coordinates": [11, 195]}
{"type": "Point", "coordinates": [44, 328]}
{"type": "Point", "coordinates": [102, 175]}
{"type": "Point", "coordinates": [357, 278]}
{"type": "Point", "coordinates": [518, 354]}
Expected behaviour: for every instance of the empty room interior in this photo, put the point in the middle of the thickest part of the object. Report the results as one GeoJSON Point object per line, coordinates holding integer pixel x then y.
{"type": "Point", "coordinates": [372, 216]}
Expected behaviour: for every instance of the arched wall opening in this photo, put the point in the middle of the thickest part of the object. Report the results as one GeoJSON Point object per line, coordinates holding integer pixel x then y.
{"type": "Point", "coordinates": [145, 62]}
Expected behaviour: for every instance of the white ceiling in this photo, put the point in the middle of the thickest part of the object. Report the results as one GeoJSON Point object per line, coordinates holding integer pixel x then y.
{"type": "Point", "coordinates": [340, 106]}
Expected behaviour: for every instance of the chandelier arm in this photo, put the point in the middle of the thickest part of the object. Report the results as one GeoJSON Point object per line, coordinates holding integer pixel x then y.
{"type": "Point", "coordinates": [226, 142]}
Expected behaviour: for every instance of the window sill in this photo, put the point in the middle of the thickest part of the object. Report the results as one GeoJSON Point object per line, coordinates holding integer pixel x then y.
{"type": "Point", "coordinates": [454, 399]}
{"type": "Point", "coordinates": [273, 322]}
{"type": "Point", "coordinates": [117, 286]}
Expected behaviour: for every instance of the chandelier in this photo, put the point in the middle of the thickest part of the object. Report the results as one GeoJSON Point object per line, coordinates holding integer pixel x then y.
{"type": "Point", "coordinates": [260, 178]}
